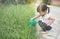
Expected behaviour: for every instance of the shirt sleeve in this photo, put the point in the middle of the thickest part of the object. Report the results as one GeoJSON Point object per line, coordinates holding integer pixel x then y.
{"type": "Point", "coordinates": [47, 16]}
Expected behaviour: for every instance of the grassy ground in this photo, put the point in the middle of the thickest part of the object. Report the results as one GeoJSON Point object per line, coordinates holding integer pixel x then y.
{"type": "Point", "coordinates": [14, 21]}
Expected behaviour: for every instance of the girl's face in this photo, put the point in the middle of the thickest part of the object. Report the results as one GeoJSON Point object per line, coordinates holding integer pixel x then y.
{"type": "Point", "coordinates": [43, 13]}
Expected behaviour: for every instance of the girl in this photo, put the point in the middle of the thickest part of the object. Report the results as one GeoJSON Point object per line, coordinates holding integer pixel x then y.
{"type": "Point", "coordinates": [45, 20]}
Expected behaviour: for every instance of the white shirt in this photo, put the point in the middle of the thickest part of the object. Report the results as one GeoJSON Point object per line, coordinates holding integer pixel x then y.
{"type": "Point", "coordinates": [45, 18]}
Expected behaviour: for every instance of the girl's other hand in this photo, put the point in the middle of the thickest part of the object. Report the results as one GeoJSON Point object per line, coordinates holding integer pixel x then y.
{"type": "Point", "coordinates": [32, 19]}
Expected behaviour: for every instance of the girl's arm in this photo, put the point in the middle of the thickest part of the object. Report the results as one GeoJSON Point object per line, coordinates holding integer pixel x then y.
{"type": "Point", "coordinates": [35, 17]}
{"type": "Point", "coordinates": [50, 21]}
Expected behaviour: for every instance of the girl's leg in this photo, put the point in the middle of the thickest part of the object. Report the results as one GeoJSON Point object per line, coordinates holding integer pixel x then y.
{"type": "Point", "coordinates": [47, 28]}
{"type": "Point", "coordinates": [43, 32]}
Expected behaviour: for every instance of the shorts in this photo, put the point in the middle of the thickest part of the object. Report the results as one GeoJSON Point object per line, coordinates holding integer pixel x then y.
{"type": "Point", "coordinates": [44, 26]}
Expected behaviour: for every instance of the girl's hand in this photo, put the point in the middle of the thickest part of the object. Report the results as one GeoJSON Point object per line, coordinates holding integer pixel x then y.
{"type": "Point", "coordinates": [32, 18]}
{"type": "Point", "coordinates": [50, 21]}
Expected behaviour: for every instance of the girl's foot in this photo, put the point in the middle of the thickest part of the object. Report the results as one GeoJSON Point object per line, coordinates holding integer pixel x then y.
{"type": "Point", "coordinates": [44, 32]}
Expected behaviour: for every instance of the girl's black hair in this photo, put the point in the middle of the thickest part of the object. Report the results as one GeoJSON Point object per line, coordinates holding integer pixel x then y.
{"type": "Point", "coordinates": [43, 7]}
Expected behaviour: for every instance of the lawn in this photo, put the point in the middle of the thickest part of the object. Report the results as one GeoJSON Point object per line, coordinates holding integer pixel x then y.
{"type": "Point", "coordinates": [14, 20]}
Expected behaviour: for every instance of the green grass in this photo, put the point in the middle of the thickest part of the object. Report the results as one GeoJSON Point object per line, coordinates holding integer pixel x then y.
{"type": "Point", "coordinates": [14, 21]}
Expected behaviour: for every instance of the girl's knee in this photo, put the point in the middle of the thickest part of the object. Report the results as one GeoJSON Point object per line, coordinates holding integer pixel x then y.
{"type": "Point", "coordinates": [49, 28]}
